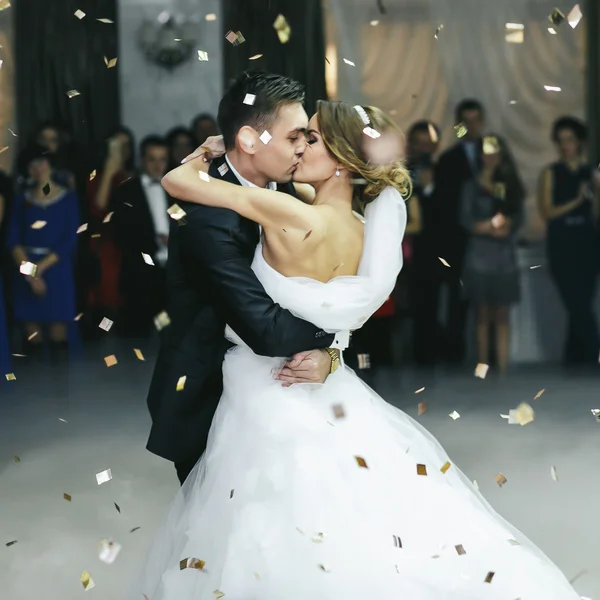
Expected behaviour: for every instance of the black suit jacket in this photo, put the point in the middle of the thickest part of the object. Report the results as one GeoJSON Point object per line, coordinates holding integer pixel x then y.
{"type": "Point", "coordinates": [210, 283]}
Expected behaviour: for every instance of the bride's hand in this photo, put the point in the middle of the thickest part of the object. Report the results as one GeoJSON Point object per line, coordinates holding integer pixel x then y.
{"type": "Point", "coordinates": [213, 147]}
{"type": "Point", "coordinates": [306, 367]}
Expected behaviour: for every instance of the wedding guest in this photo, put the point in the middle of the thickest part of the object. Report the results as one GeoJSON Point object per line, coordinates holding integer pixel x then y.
{"type": "Point", "coordinates": [204, 126]}
{"type": "Point", "coordinates": [104, 297]}
{"type": "Point", "coordinates": [43, 232]}
{"type": "Point", "coordinates": [492, 213]}
{"type": "Point", "coordinates": [568, 201]}
{"type": "Point", "coordinates": [181, 143]}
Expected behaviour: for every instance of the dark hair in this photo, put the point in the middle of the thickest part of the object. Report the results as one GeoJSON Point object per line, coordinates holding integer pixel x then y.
{"type": "Point", "coordinates": [130, 163]}
{"type": "Point", "coordinates": [423, 127]}
{"type": "Point", "coordinates": [467, 104]}
{"type": "Point", "coordinates": [202, 117]}
{"type": "Point", "coordinates": [152, 141]}
{"type": "Point", "coordinates": [174, 133]}
{"type": "Point", "coordinates": [35, 152]}
{"type": "Point", "coordinates": [577, 126]}
{"type": "Point", "coordinates": [271, 91]}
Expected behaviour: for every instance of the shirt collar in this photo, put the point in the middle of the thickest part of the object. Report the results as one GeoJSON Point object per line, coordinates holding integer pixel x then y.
{"type": "Point", "coordinates": [147, 180]}
{"type": "Point", "coordinates": [271, 186]}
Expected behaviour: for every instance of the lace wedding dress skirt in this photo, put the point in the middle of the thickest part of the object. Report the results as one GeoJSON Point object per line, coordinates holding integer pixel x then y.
{"type": "Point", "coordinates": [327, 492]}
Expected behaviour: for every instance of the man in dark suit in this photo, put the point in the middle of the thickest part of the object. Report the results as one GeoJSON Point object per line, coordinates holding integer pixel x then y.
{"type": "Point", "coordinates": [210, 282]}
{"type": "Point", "coordinates": [141, 226]}
{"type": "Point", "coordinates": [456, 166]}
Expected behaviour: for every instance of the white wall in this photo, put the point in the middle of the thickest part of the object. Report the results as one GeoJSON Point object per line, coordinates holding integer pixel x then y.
{"type": "Point", "coordinates": [154, 99]}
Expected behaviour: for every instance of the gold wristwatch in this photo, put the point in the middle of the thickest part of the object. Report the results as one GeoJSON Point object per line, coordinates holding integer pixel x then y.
{"type": "Point", "coordinates": [334, 353]}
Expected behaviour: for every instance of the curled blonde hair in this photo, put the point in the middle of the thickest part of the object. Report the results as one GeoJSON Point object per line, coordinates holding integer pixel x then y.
{"type": "Point", "coordinates": [342, 129]}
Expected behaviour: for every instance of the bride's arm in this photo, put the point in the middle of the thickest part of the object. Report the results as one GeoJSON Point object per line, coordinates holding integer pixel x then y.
{"type": "Point", "coordinates": [271, 209]}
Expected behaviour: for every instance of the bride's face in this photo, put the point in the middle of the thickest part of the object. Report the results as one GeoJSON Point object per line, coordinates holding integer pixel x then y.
{"type": "Point", "coordinates": [317, 165]}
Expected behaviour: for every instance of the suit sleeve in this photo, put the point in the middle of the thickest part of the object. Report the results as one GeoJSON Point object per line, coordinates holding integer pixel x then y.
{"type": "Point", "coordinates": [238, 295]}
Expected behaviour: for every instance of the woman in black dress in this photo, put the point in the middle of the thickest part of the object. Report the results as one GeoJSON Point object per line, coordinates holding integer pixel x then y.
{"type": "Point", "coordinates": [568, 201]}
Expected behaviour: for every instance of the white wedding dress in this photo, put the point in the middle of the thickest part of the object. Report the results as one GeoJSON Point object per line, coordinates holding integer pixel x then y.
{"type": "Point", "coordinates": [326, 492]}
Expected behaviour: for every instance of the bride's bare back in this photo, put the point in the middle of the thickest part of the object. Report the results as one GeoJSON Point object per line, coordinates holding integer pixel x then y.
{"type": "Point", "coordinates": [334, 253]}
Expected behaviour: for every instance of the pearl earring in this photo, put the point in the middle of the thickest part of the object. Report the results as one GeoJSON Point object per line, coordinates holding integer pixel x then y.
{"type": "Point", "coordinates": [337, 172]}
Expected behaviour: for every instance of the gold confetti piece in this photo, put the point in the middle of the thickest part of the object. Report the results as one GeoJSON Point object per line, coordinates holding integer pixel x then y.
{"type": "Point", "coordinates": [87, 581]}
{"type": "Point", "coordinates": [535, 267]}
{"type": "Point", "coordinates": [39, 225]}
{"type": "Point", "coordinates": [82, 228]}
{"type": "Point", "coordinates": [397, 541]}
{"type": "Point", "coordinates": [5, 148]}
{"type": "Point", "coordinates": [574, 16]}
{"type": "Point", "coordinates": [67, 497]}
{"type": "Point", "coordinates": [422, 408]}
{"type": "Point", "coordinates": [500, 479]}
{"type": "Point", "coordinates": [32, 336]}
{"type": "Point", "coordinates": [79, 14]}
{"type": "Point", "coordinates": [338, 411]}
{"type": "Point", "coordinates": [437, 32]}
{"type": "Point", "coordinates": [181, 383]}
{"type": "Point", "coordinates": [481, 370]}
{"type": "Point", "coordinates": [93, 175]}
{"type": "Point", "coordinates": [250, 99]}
{"type": "Point", "coordinates": [110, 62]}
{"type": "Point", "coordinates": [522, 415]}
{"type": "Point", "coordinates": [108, 551]}
{"type": "Point", "coordinates": [106, 324]}
{"type": "Point", "coordinates": [104, 20]}
{"type": "Point", "coordinates": [28, 268]}
{"type": "Point", "coordinates": [419, 390]}
{"type": "Point", "coordinates": [62, 420]}
{"type": "Point", "coordinates": [445, 468]}
{"type": "Point", "coordinates": [433, 135]}
{"type": "Point", "coordinates": [104, 476]}
{"type": "Point", "coordinates": [319, 538]}
{"type": "Point", "coordinates": [552, 88]}
{"type": "Point", "coordinates": [10, 377]}
{"type": "Point", "coordinates": [596, 413]}
{"type": "Point", "coordinates": [108, 217]}
{"type": "Point", "coordinates": [361, 462]}
{"type": "Point", "coordinates": [139, 354]}
{"type": "Point", "coordinates": [491, 145]}
{"type": "Point", "coordinates": [325, 568]}
{"type": "Point", "coordinates": [475, 484]}
{"type": "Point", "coordinates": [117, 507]}
{"type": "Point", "coordinates": [8, 544]}
{"type": "Point", "coordinates": [265, 137]}
{"type": "Point", "coordinates": [176, 212]}
{"type": "Point", "coordinates": [444, 262]}
{"type": "Point", "coordinates": [73, 93]}
{"type": "Point", "coordinates": [231, 494]}
{"type": "Point", "coordinates": [307, 235]}
{"type": "Point", "coordinates": [283, 29]}
{"type": "Point", "coordinates": [489, 577]}
{"type": "Point", "coordinates": [210, 17]}
{"type": "Point", "coordinates": [162, 320]}
{"type": "Point", "coordinates": [111, 360]}
{"type": "Point", "coordinates": [556, 17]}
{"type": "Point", "coordinates": [148, 259]}
{"type": "Point", "coordinates": [421, 470]}
{"type": "Point", "coordinates": [134, 529]}
{"type": "Point", "coordinates": [349, 62]}
{"type": "Point", "coordinates": [16, 459]}
{"type": "Point", "coordinates": [514, 26]}
{"type": "Point", "coordinates": [553, 473]}
{"type": "Point", "coordinates": [256, 57]}
{"type": "Point", "coordinates": [374, 23]}
{"type": "Point", "coordinates": [78, 317]}
{"type": "Point", "coordinates": [235, 38]}
{"type": "Point", "coordinates": [454, 415]}
{"type": "Point", "coordinates": [203, 55]}
{"type": "Point", "coordinates": [460, 130]}
{"type": "Point", "coordinates": [460, 550]}
{"type": "Point", "coordinates": [514, 37]}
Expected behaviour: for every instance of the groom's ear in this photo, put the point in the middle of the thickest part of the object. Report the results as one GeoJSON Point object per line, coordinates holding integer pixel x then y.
{"type": "Point", "coordinates": [247, 139]}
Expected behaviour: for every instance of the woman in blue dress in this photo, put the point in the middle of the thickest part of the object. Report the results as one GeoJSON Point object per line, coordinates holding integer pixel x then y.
{"type": "Point", "coordinates": [43, 231]}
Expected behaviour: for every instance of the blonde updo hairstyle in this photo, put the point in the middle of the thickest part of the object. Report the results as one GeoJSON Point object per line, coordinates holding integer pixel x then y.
{"type": "Point", "coordinates": [341, 126]}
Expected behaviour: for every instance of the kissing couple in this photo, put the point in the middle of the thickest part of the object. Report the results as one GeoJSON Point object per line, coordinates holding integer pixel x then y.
{"type": "Point", "coordinates": [299, 481]}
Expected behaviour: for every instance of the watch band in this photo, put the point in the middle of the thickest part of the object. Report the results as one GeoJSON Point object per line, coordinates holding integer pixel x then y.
{"type": "Point", "coordinates": [335, 359]}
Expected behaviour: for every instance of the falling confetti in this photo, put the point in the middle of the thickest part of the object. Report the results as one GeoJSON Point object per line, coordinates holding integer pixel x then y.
{"type": "Point", "coordinates": [148, 259]}
{"type": "Point", "coordinates": [231, 494]}
{"type": "Point", "coordinates": [338, 411]}
{"type": "Point", "coordinates": [421, 470]}
{"type": "Point", "coordinates": [111, 360]}
{"type": "Point", "coordinates": [500, 479]}
{"type": "Point", "coordinates": [460, 550]}
{"type": "Point", "coordinates": [204, 176]}
{"type": "Point", "coordinates": [181, 383]}
{"type": "Point", "coordinates": [103, 476]}
{"type": "Point", "coordinates": [433, 134]}
{"type": "Point", "coordinates": [161, 321]}
{"type": "Point", "coordinates": [139, 354]}
{"type": "Point", "coordinates": [521, 415]}
{"type": "Point", "coordinates": [481, 370]}
{"type": "Point", "coordinates": [419, 390]}
{"type": "Point", "coordinates": [325, 568]}
{"type": "Point", "coordinates": [10, 377]}
{"type": "Point", "coordinates": [106, 324]}
{"type": "Point", "coordinates": [79, 14]}
{"type": "Point", "coordinates": [82, 228]}
{"type": "Point", "coordinates": [12, 543]}
{"type": "Point", "coordinates": [349, 62]}
{"type": "Point", "coordinates": [283, 29]}
{"type": "Point", "coordinates": [574, 16]}
{"type": "Point", "coordinates": [28, 268]}
{"type": "Point", "coordinates": [445, 467]}
{"type": "Point", "coordinates": [397, 541]}
{"type": "Point", "coordinates": [5, 148]}
{"type": "Point", "coordinates": [491, 145]}
{"type": "Point", "coordinates": [535, 267]}
{"type": "Point", "coordinates": [210, 17]}
{"type": "Point", "coordinates": [475, 484]}
{"type": "Point", "coordinates": [552, 88]}
{"type": "Point", "coordinates": [437, 32]}
{"type": "Point", "coordinates": [444, 262]}
{"type": "Point", "coordinates": [256, 576]}
{"type": "Point", "coordinates": [87, 581]}
{"type": "Point", "coordinates": [422, 408]}
{"type": "Point", "coordinates": [104, 20]}
{"type": "Point", "coordinates": [454, 415]}
{"type": "Point", "coordinates": [460, 130]}
{"type": "Point", "coordinates": [110, 62]}
{"type": "Point", "coordinates": [319, 538]}
{"type": "Point", "coordinates": [176, 212]}
{"type": "Point", "coordinates": [93, 175]}
{"type": "Point", "coordinates": [73, 93]}
{"type": "Point", "coordinates": [38, 225]}
{"type": "Point", "coordinates": [361, 462]}
{"type": "Point", "coordinates": [596, 413]}
{"type": "Point", "coordinates": [556, 17]}
{"type": "Point", "coordinates": [46, 189]}
{"type": "Point", "coordinates": [191, 563]}
{"type": "Point", "coordinates": [256, 57]}
{"type": "Point", "coordinates": [265, 137]}
{"type": "Point", "coordinates": [553, 473]}
{"type": "Point", "coordinates": [235, 38]}
{"type": "Point", "coordinates": [489, 577]}
{"type": "Point", "coordinates": [16, 459]}
{"type": "Point", "coordinates": [514, 33]}
{"type": "Point", "coordinates": [32, 336]}
{"type": "Point", "coordinates": [250, 99]}
{"type": "Point", "coordinates": [108, 551]}
{"type": "Point", "coordinates": [202, 55]}
{"type": "Point", "coordinates": [134, 529]}
{"type": "Point", "coordinates": [62, 420]}
{"type": "Point", "coordinates": [13, 133]}
{"type": "Point", "coordinates": [374, 23]}
{"type": "Point", "coordinates": [78, 317]}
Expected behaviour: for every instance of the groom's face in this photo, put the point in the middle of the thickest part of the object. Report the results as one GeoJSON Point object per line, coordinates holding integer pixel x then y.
{"type": "Point", "coordinates": [279, 158]}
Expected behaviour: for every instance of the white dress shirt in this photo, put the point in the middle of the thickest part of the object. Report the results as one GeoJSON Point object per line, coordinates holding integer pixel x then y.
{"type": "Point", "coordinates": [342, 338]}
{"type": "Point", "coordinates": [158, 204]}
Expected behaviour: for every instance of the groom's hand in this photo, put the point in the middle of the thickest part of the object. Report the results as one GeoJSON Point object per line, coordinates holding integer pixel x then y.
{"type": "Point", "coordinates": [213, 147]}
{"type": "Point", "coordinates": [306, 367]}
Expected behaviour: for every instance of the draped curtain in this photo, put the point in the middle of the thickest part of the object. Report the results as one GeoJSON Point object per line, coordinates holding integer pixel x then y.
{"type": "Point", "coordinates": [56, 52]}
{"type": "Point", "coordinates": [302, 58]}
{"type": "Point", "coordinates": [403, 68]}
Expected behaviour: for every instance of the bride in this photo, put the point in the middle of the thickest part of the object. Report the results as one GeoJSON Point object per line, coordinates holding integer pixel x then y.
{"type": "Point", "coordinates": [326, 492]}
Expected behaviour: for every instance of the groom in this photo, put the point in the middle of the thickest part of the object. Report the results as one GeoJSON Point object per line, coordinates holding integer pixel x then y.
{"type": "Point", "coordinates": [210, 282]}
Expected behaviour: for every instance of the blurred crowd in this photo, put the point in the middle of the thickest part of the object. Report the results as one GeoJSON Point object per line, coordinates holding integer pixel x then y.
{"type": "Point", "coordinates": [83, 247]}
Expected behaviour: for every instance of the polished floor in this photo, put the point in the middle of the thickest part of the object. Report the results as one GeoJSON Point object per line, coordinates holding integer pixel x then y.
{"type": "Point", "coordinates": [56, 435]}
